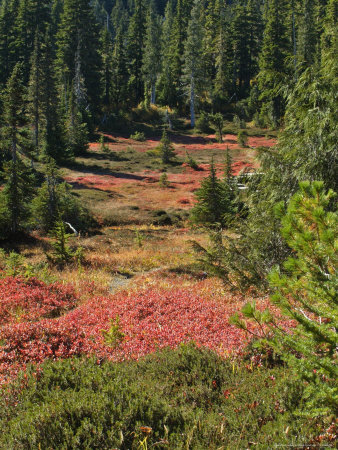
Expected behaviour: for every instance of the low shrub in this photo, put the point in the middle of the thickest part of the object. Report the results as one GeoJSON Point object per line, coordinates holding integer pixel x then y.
{"type": "Point", "coordinates": [242, 138]}
{"type": "Point", "coordinates": [203, 123]}
{"type": "Point", "coordinates": [187, 398]}
{"type": "Point", "coordinates": [138, 136]}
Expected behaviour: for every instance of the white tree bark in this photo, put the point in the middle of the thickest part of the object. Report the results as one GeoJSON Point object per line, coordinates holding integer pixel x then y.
{"type": "Point", "coordinates": [192, 101]}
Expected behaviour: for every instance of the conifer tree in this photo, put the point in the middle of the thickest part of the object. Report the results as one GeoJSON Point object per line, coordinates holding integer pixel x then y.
{"type": "Point", "coordinates": [193, 68]}
{"type": "Point", "coordinates": [222, 81]}
{"type": "Point", "coordinates": [119, 72]}
{"type": "Point", "coordinates": [306, 292]}
{"type": "Point", "coordinates": [166, 87]}
{"type": "Point", "coordinates": [77, 46]}
{"type": "Point", "coordinates": [276, 48]}
{"type": "Point", "coordinates": [119, 18]}
{"type": "Point", "coordinates": [152, 52]}
{"type": "Point", "coordinates": [15, 142]}
{"type": "Point", "coordinates": [106, 55]}
{"type": "Point", "coordinates": [179, 33]}
{"type": "Point", "coordinates": [34, 92]}
{"type": "Point", "coordinates": [308, 35]}
{"type": "Point", "coordinates": [8, 11]}
{"type": "Point", "coordinates": [214, 201]}
{"type": "Point", "coordinates": [53, 133]}
{"type": "Point", "coordinates": [135, 50]}
{"type": "Point", "coordinates": [166, 148]}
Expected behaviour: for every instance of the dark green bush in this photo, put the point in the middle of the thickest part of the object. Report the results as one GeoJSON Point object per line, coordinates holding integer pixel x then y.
{"type": "Point", "coordinates": [189, 397]}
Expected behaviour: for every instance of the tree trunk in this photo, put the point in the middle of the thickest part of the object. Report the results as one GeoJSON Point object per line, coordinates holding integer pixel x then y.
{"type": "Point", "coordinates": [192, 102]}
{"type": "Point", "coordinates": [153, 93]}
{"type": "Point", "coordinates": [14, 188]}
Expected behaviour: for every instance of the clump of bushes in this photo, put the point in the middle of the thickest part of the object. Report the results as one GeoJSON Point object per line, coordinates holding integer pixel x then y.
{"type": "Point", "coordinates": [163, 181]}
{"type": "Point", "coordinates": [166, 148]}
{"type": "Point", "coordinates": [242, 138]}
{"type": "Point", "coordinates": [138, 136]}
{"type": "Point", "coordinates": [203, 123]}
{"type": "Point", "coordinates": [183, 398]}
{"type": "Point", "coordinates": [191, 162]}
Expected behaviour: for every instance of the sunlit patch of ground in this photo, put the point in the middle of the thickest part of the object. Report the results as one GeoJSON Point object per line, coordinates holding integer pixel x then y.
{"type": "Point", "coordinates": [121, 183]}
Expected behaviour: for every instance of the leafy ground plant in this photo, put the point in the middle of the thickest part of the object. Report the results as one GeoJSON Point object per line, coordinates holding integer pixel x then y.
{"type": "Point", "coordinates": [187, 398]}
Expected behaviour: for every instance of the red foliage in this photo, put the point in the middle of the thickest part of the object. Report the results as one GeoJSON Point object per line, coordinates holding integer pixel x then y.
{"type": "Point", "coordinates": [149, 320]}
{"type": "Point", "coordinates": [26, 301]}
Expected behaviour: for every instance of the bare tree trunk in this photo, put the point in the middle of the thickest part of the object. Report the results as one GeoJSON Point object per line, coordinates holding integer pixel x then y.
{"type": "Point", "coordinates": [192, 102]}
{"type": "Point", "coordinates": [294, 36]}
{"type": "Point", "coordinates": [14, 187]}
{"type": "Point", "coordinates": [153, 93]}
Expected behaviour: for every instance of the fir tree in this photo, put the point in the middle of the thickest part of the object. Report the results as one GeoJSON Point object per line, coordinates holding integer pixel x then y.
{"type": "Point", "coordinates": [166, 148]}
{"type": "Point", "coordinates": [135, 50]}
{"type": "Point", "coordinates": [77, 45]}
{"type": "Point", "coordinates": [306, 291]}
{"type": "Point", "coordinates": [166, 87]}
{"type": "Point", "coordinates": [214, 202]}
{"type": "Point", "coordinates": [18, 181]}
{"type": "Point", "coordinates": [193, 58]}
{"type": "Point", "coordinates": [119, 72]}
{"type": "Point", "coordinates": [273, 61]}
{"type": "Point", "coordinates": [106, 55]}
{"type": "Point", "coordinates": [152, 53]}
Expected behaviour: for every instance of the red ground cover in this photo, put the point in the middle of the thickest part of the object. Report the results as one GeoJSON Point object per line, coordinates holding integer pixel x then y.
{"type": "Point", "coordinates": [22, 301]}
{"type": "Point", "coordinates": [150, 320]}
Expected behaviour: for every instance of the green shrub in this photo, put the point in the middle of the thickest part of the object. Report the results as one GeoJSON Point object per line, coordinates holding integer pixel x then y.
{"type": "Point", "coordinates": [242, 138]}
{"type": "Point", "coordinates": [203, 124]}
{"type": "Point", "coordinates": [103, 147]}
{"type": "Point", "coordinates": [138, 136]}
{"type": "Point", "coordinates": [187, 398]}
{"type": "Point", "coordinates": [215, 201]}
{"type": "Point", "coordinates": [166, 148]}
{"type": "Point", "coordinates": [62, 253]}
{"type": "Point", "coordinates": [189, 160]}
{"type": "Point", "coordinates": [217, 121]}
{"type": "Point", "coordinates": [163, 181]}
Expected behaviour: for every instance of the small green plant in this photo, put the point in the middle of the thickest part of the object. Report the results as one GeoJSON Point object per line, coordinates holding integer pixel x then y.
{"type": "Point", "coordinates": [218, 122]}
{"type": "Point", "coordinates": [189, 160]}
{"type": "Point", "coordinates": [242, 138]}
{"type": "Point", "coordinates": [163, 181]}
{"type": "Point", "coordinates": [138, 136]}
{"type": "Point", "coordinates": [114, 336]}
{"type": "Point", "coordinates": [103, 147]}
{"type": "Point", "coordinates": [62, 252]}
{"type": "Point", "coordinates": [166, 148]}
{"type": "Point", "coordinates": [14, 264]}
{"type": "Point", "coordinates": [236, 121]}
{"type": "Point", "coordinates": [202, 123]}
{"type": "Point", "coordinates": [139, 239]}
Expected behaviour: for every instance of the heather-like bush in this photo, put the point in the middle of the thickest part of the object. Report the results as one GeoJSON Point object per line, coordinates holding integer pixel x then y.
{"type": "Point", "coordinates": [187, 398]}
{"type": "Point", "coordinates": [138, 136]}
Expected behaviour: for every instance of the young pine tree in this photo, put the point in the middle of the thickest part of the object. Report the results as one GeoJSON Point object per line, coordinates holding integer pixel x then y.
{"type": "Point", "coordinates": [306, 291]}
{"type": "Point", "coordinates": [214, 202]}
{"type": "Point", "coordinates": [166, 148]}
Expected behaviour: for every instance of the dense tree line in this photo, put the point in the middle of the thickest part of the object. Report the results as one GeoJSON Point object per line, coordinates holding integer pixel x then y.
{"type": "Point", "coordinates": [68, 66]}
{"type": "Point", "coordinates": [98, 57]}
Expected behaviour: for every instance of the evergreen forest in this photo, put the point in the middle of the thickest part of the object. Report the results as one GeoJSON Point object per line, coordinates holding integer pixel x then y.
{"type": "Point", "coordinates": [168, 224]}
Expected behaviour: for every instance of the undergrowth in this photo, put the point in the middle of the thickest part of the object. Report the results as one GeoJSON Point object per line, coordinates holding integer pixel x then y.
{"type": "Point", "coordinates": [187, 398]}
